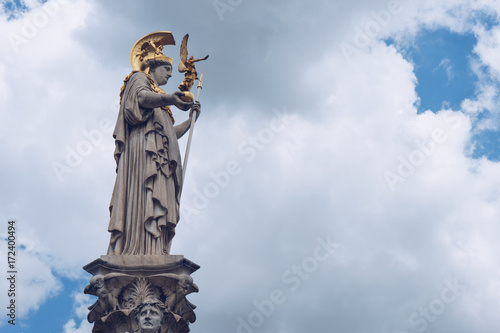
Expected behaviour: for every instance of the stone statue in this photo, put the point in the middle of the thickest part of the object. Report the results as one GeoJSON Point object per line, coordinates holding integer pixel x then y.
{"type": "Point", "coordinates": [176, 301]}
{"type": "Point", "coordinates": [102, 306]}
{"type": "Point", "coordinates": [140, 286]}
{"type": "Point", "coordinates": [144, 206]}
{"type": "Point", "coordinates": [107, 288]}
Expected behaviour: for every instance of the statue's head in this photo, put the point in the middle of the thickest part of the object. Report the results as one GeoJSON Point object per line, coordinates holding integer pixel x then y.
{"type": "Point", "coordinates": [98, 282]}
{"type": "Point", "coordinates": [160, 70]}
{"type": "Point", "coordinates": [185, 282]}
{"type": "Point", "coordinates": [150, 315]}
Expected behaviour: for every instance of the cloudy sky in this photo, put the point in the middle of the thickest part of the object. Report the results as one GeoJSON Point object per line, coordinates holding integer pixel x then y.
{"type": "Point", "coordinates": [344, 174]}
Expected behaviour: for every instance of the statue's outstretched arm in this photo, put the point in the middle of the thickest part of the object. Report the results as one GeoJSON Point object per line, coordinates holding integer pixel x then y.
{"type": "Point", "coordinates": [151, 100]}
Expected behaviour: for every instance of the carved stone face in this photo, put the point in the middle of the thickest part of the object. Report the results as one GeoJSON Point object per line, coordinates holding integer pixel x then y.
{"type": "Point", "coordinates": [161, 74]}
{"type": "Point", "coordinates": [150, 319]}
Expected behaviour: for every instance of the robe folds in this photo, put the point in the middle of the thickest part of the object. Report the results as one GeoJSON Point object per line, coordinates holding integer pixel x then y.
{"type": "Point", "coordinates": [144, 207]}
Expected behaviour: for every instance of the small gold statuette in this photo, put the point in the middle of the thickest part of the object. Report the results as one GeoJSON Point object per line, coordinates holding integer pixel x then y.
{"type": "Point", "coordinates": [187, 65]}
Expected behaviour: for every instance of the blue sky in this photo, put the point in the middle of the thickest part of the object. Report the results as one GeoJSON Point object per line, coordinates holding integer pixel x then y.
{"type": "Point", "coordinates": [12, 7]}
{"type": "Point", "coordinates": [390, 153]}
{"type": "Point", "coordinates": [443, 63]}
{"type": "Point", "coordinates": [59, 308]}
{"type": "Point", "coordinates": [442, 67]}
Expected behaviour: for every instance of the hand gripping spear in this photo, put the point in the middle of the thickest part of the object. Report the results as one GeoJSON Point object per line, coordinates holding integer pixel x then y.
{"type": "Point", "coordinates": [191, 128]}
{"type": "Point", "coordinates": [187, 65]}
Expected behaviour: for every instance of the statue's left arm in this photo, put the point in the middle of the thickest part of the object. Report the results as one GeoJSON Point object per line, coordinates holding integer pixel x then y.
{"type": "Point", "coordinates": [183, 127]}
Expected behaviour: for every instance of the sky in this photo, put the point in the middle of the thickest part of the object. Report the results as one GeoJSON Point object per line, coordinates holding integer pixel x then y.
{"type": "Point", "coordinates": [344, 173]}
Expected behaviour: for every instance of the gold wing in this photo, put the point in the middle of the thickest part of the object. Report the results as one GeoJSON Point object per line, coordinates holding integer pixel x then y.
{"type": "Point", "coordinates": [184, 53]}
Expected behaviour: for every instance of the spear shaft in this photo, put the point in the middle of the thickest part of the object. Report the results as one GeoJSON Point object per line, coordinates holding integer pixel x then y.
{"type": "Point", "coordinates": [191, 129]}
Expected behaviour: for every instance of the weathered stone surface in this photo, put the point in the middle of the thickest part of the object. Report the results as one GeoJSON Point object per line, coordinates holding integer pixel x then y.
{"type": "Point", "coordinates": [126, 285]}
{"type": "Point", "coordinates": [144, 207]}
{"type": "Point", "coordinates": [141, 264]}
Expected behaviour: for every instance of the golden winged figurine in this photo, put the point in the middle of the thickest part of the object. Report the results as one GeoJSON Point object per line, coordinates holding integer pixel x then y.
{"type": "Point", "coordinates": [187, 65]}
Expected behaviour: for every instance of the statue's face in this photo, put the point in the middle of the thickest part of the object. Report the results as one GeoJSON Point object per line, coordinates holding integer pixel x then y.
{"type": "Point", "coordinates": [150, 319]}
{"type": "Point", "coordinates": [162, 74]}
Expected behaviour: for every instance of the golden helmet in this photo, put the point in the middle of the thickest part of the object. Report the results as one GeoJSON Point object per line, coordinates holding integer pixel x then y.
{"type": "Point", "coordinates": [150, 47]}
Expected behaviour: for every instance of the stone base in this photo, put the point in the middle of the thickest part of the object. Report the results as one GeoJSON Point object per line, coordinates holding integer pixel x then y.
{"type": "Point", "coordinates": [127, 285]}
{"type": "Point", "coordinates": [142, 265]}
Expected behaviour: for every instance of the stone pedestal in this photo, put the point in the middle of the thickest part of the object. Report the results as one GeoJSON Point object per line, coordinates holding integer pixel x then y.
{"type": "Point", "coordinates": [132, 290]}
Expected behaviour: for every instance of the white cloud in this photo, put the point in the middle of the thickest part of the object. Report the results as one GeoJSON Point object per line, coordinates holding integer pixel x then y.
{"type": "Point", "coordinates": [34, 279]}
{"type": "Point", "coordinates": [30, 103]}
{"type": "Point", "coordinates": [80, 304]}
{"type": "Point", "coordinates": [326, 173]}
{"type": "Point", "coordinates": [323, 174]}
{"type": "Point", "coordinates": [488, 43]}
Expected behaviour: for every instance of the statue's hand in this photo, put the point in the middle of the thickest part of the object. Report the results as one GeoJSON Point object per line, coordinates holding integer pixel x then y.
{"type": "Point", "coordinates": [196, 108]}
{"type": "Point", "coordinates": [179, 103]}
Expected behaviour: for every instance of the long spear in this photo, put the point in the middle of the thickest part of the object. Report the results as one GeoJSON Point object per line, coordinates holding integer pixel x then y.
{"type": "Point", "coordinates": [191, 129]}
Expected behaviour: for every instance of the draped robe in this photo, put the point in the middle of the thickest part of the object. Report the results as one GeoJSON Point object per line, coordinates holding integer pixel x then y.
{"type": "Point", "coordinates": [144, 207]}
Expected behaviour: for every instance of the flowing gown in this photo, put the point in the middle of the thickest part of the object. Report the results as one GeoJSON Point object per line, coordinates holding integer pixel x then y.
{"type": "Point", "coordinates": [144, 206]}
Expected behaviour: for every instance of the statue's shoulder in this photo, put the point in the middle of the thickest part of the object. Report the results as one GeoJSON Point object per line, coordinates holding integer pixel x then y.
{"type": "Point", "coordinates": [137, 75]}
{"type": "Point", "coordinates": [137, 78]}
